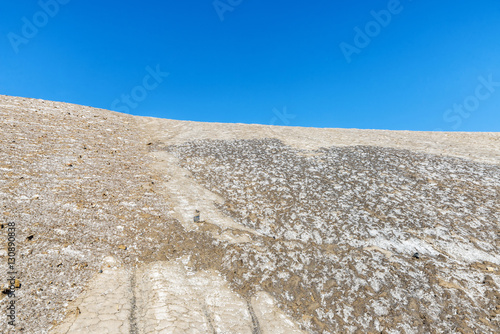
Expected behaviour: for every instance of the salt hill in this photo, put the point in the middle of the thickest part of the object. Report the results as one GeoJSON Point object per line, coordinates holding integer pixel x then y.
{"type": "Point", "coordinates": [139, 225]}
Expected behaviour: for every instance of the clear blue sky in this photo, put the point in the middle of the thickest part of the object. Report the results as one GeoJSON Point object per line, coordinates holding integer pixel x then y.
{"type": "Point", "coordinates": [416, 65]}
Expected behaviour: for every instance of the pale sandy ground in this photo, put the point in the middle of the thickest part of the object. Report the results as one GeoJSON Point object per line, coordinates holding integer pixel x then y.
{"type": "Point", "coordinates": [481, 147]}
{"type": "Point", "coordinates": [171, 298]}
{"type": "Point", "coordinates": [170, 295]}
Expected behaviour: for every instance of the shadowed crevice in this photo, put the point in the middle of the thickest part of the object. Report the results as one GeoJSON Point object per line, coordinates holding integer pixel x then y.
{"type": "Point", "coordinates": [132, 317]}
{"type": "Point", "coordinates": [255, 321]}
{"type": "Point", "coordinates": [209, 319]}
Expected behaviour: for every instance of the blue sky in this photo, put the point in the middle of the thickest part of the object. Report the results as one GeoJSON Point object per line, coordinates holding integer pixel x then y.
{"type": "Point", "coordinates": [400, 65]}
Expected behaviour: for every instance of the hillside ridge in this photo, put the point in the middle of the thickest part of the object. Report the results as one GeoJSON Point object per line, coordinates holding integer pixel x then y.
{"type": "Point", "coordinates": [301, 230]}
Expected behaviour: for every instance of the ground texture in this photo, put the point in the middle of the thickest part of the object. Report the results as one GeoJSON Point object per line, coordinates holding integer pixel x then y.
{"type": "Point", "coordinates": [300, 230]}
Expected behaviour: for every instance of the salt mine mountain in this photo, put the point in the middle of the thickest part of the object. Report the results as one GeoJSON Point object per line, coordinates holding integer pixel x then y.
{"type": "Point", "coordinates": [129, 224]}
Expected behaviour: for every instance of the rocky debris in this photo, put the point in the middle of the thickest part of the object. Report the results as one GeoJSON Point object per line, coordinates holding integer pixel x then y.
{"type": "Point", "coordinates": [5, 289]}
{"type": "Point", "coordinates": [67, 217]}
{"type": "Point", "coordinates": [316, 210]}
{"type": "Point", "coordinates": [324, 233]}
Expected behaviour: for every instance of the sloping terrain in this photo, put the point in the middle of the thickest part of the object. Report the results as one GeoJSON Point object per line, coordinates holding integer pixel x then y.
{"type": "Point", "coordinates": [301, 230]}
{"type": "Point", "coordinates": [346, 222]}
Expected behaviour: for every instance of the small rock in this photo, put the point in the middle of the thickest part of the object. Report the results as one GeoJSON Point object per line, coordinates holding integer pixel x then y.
{"type": "Point", "coordinates": [5, 289]}
{"type": "Point", "coordinates": [488, 280]}
{"type": "Point", "coordinates": [490, 268]}
{"type": "Point", "coordinates": [416, 256]}
{"type": "Point", "coordinates": [30, 237]}
{"type": "Point", "coordinates": [17, 284]}
{"type": "Point", "coordinates": [122, 247]}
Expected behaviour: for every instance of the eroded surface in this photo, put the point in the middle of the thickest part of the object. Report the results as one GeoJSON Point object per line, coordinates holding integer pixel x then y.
{"type": "Point", "coordinates": [345, 224]}
{"type": "Point", "coordinates": [301, 231]}
{"type": "Point", "coordinates": [480, 147]}
{"type": "Point", "coordinates": [105, 307]}
{"type": "Point", "coordinates": [187, 197]}
{"type": "Point", "coordinates": [169, 297]}
{"type": "Point", "coordinates": [72, 179]}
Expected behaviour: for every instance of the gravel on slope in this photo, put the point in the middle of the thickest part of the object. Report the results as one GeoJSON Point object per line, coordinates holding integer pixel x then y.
{"type": "Point", "coordinates": [343, 226]}
{"type": "Point", "coordinates": [336, 228]}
